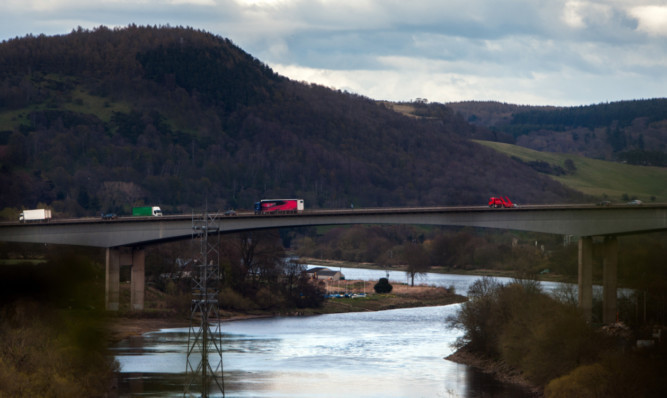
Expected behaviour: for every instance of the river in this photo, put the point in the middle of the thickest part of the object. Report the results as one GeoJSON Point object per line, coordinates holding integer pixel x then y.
{"type": "Point", "coordinates": [395, 353]}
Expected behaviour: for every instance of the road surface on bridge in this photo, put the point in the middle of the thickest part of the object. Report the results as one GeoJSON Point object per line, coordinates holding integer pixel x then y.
{"type": "Point", "coordinates": [580, 220]}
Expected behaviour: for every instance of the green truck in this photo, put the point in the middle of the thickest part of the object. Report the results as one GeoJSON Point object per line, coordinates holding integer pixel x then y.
{"type": "Point", "coordinates": [147, 211]}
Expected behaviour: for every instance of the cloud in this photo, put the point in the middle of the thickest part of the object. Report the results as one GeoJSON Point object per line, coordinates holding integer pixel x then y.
{"type": "Point", "coordinates": [652, 20]}
{"type": "Point", "coordinates": [583, 14]}
{"type": "Point", "coordinates": [550, 52]}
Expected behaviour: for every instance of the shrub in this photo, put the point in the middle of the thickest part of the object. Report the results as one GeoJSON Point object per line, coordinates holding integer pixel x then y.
{"type": "Point", "coordinates": [587, 381]}
{"type": "Point", "coordinates": [526, 328]}
{"type": "Point", "coordinates": [383, 286]}
{"type": "Point", "coordinates": [180, 303]}
{"type": "Point", "coordinates": [310, 295]}
{"type": "Point", "coordinates": [50, 353]}
{"type": "Point", "coordinates": [451, 289]}
{"type": "Point", "coordinates": [266, 299]}
{"type": "Point", "coordinates": [232, 300]}
{"type": "Point", "coordinates": [479, 317]}
{"type": "Point", "coordinates": [547, 339]}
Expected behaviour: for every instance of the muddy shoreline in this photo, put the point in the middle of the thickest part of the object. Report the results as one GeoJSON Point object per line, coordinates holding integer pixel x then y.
{"type": "Point", "coordinates": [124, 326]}
{"type": "Point", "coordinates": [498, 369]}
{"type": "Point", "coordinates": [121, 328]}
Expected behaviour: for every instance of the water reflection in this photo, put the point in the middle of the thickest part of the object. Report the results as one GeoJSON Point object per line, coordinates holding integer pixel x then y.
{"type": "Point", "coordinates": [480, 384]}
{"type": "Point", "coordinates": [396, 353]}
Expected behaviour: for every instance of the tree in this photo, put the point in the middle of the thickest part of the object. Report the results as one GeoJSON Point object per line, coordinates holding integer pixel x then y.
{"type": "Point", "coordinates": [293, 270]}
{"type": "Point", "coordinates": [261, 256]}
{"type": "Point", "coordinates": [310, 294]}
{"type": "Point", "coordinates": [417, 260]}
{"type": "Point", "coordinates": [383, 286]}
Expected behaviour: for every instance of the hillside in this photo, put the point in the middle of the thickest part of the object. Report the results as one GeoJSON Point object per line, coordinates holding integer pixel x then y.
{"type": "Point", "coordinates": [629, 131]}
{"type": "Point", "coordinates": [597, 178]}
{"type": "Point", "coordinates": [105, 119]}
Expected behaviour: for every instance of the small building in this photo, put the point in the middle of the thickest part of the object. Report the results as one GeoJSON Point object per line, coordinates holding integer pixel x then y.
{"type": "Point", "coordinates": [322, 273]}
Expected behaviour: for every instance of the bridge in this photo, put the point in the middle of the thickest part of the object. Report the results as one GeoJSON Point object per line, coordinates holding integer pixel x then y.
{"type": "Point", "coordinates": [125, 238]}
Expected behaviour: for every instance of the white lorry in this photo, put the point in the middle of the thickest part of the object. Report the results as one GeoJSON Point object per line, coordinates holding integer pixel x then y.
{"type": "Point", "coordinates": [35, 215]}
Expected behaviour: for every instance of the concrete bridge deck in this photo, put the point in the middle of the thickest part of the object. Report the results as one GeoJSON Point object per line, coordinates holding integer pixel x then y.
{"type": "Point", "coordinates": [125, 237]}
{"type": "Point", "coordinates": [579, 220]}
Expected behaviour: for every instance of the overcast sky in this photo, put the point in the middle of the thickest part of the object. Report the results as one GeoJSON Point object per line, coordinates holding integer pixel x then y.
{"type": "Point", "coordinates": [536, 52]}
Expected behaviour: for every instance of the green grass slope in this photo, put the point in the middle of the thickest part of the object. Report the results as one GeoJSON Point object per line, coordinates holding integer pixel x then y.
{"type": "Point", "coordinates": [599, 178]}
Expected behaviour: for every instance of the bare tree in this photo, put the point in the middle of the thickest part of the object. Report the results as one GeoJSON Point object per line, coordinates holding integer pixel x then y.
{"type": "Point", "coordinates": [261, 255]}
{"type": "Point", "coordinates": [417, 260]}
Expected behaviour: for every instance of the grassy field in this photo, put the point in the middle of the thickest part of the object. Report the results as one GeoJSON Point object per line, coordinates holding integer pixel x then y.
{"type": "Point", "coordinates": [599, 178]}
{"type": "Point", "coordinates": [401, 296]}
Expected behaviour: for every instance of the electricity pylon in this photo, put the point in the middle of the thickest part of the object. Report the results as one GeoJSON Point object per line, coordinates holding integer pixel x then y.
{"type": "Point", "coordinates": [204, 357]}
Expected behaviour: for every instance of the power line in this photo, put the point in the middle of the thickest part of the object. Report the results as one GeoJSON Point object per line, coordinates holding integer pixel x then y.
{"type": "Point", "coordinates": [204, 371]}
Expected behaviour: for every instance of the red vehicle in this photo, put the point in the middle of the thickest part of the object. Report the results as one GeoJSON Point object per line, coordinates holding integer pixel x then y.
{"type": "Point", "coordinates": [279, 206]}
{"type": "Point", "coordinates": [498, 202]}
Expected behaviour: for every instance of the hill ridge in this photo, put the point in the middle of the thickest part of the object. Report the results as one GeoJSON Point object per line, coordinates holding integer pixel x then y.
{"type": "Point", "coordinates": [105, 119]}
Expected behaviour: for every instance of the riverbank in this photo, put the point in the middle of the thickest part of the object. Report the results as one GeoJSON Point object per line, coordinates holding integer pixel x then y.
{"type": "Point", "coordinates": [127, 325]}
{"type": "Point", "coordinates": [547, 277]}
{"type": "Point", "coordinates": [498, 369]}
{"type": "Point", "coordinates": [402, 296]}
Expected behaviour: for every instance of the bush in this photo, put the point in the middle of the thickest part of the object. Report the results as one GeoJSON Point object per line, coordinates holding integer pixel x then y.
{"type": "Point", "coordinates": [266, 299]}
{"type": "Point", "coordinates": [52, 353]}
{"type": "Point", "coordinates": [310, 295]}
{"type": "Point", "coordinates": [547, 339]}
{"type": "Point", "coordinates": [383, 286]}
{"type": "Point", "coordinates": [232, 300]}
{"type": "Point", "coordinates": [587, 381]}
{"type": "Point", "coordinates": [179, 303]}
{"type": "Point", "coordinates": [480, 317]}
{"type": "Point", "coordinates": [451, 289]}
{"type": "Point", "coordinates": [525, 328]}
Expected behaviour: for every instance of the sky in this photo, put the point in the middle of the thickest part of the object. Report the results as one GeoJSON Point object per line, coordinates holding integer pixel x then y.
{"type": "Point", "coordinates": [528, 52]}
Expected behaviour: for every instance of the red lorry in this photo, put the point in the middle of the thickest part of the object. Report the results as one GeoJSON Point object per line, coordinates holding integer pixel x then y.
{"type": "Point", "coordinates": [499, 202]}
{"type": "Point", "coordinates": [265, 206]}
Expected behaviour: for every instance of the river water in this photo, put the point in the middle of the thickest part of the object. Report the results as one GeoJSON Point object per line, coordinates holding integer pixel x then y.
{"type": "Point", "coordinates": [395, 353]}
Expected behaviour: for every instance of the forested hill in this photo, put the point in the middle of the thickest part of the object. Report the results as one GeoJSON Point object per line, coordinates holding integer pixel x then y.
{"type": "Point", "coordinates": [105, 119]}
{"type": "Point", "coordinates": [630, 131]}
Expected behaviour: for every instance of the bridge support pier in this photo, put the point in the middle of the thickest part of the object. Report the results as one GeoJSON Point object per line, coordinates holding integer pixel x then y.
{"type": "Point", "coordinates": [112, 279]}
{"type": "Point", "coordinates": [115, 258]}
{"type": "Point", "coordinates": [609, 279]}
{"type": "Point", "coordinates": [609, 252]}
{"type": "Point", "coordinates": [586, 276]}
